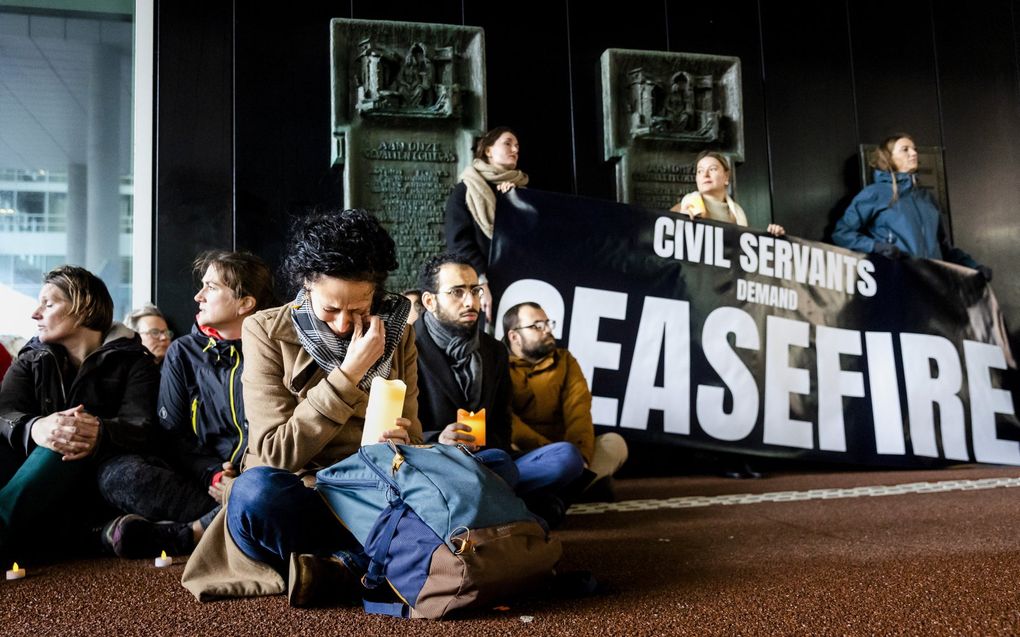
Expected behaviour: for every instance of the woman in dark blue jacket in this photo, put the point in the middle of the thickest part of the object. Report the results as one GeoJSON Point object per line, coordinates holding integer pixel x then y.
{"type": "Point", "coordinates": [895, 217]}
{"type": "Point", "coordinates": [80, 392]}
{"type": "Point", "coordinates": [202, 433]}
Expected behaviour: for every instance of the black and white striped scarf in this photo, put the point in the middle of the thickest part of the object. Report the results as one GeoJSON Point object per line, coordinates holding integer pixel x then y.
{"type": "Point", "coordinates": [329, 350]}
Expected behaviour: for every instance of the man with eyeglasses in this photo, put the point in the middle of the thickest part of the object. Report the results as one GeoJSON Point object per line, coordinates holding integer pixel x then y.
{"type": "Point", "coordinates": [203, 432]}
{"type": "Point", "coordinates": [551, 400]}
{"type": "Point", "coordinates": [462, 367]}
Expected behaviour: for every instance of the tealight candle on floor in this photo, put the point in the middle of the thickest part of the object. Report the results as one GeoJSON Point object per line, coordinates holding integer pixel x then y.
{"type": "Point", "coordinates": [164, 560]}
{"type": "Point", "coordinates": [15, 572]}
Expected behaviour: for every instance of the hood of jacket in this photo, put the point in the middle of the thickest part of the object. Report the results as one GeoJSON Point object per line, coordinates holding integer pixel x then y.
{"type": "Point", "coordinates": [118, 337]}
{"type": "Point", "coordinates": [904, 181]}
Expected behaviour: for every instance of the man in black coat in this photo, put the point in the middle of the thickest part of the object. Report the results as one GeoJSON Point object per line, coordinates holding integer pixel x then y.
{"type": "Point", "coordinates": [462, 367]}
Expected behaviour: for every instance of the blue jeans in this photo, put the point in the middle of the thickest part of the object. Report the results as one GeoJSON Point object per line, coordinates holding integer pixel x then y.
{"type": "Point", "coordinates": [272, 514]}
{"type": "Point", "coordinates": [543, 471]}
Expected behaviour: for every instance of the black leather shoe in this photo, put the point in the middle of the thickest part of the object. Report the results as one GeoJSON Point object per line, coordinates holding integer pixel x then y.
{"type": "Point", "coordinates": [602, 490]}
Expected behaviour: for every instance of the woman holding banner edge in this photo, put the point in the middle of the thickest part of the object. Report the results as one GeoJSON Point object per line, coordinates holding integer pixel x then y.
{"type": "Point", "coordinates": [471, 207]}
{"type": "Point", "coordinates": [712, 175]}
{"type": "Point", "coordinates": [894, 217]}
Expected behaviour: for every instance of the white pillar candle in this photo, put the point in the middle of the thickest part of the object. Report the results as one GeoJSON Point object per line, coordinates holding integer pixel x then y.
{"type": "Point", "coordinates": [385, 404]}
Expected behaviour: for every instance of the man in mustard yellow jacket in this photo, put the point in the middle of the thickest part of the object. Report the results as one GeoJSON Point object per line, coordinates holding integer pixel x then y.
{"type": "Point", "coordinates": [551, 400]}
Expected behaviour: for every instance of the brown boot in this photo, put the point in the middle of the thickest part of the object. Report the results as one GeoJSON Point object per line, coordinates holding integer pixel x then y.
{"type": "Point", "coordinates": [321, 581]}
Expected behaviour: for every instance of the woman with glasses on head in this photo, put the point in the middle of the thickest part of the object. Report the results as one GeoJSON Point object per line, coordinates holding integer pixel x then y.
{"type": "Point", "coordinates": [471, 207]}
{"type": "Point", "coordinates": [309, 367]}
{"type": "Point", "coordinates": [151, 325]}
{"type": "Point", "coordinates": [712, 199]}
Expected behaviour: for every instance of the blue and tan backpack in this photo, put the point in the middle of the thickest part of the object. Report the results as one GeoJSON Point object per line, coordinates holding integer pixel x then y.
{"type": "Point", "coordinates": [439, 527]}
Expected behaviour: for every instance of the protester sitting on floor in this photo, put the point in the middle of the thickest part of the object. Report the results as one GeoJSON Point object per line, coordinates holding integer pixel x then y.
{"type": "Point", "coordinates": [462, 367]}
{"type": "Point", "coordinates": [80, 391]}
{"type": "Point", "coordinates": [203, 430]}
{"type": "Point", "coordinates": [551, 401]}
{"type": "Point", "coordinates": [151, 325]}
{"type": "Point", "coordinates": [309, 366]}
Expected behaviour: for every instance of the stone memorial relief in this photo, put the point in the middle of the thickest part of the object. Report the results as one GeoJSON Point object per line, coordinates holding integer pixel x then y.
{"type": "Point", "coordinates": [659, 110]}
{"type": "Point", "coordinates": [408, 102]}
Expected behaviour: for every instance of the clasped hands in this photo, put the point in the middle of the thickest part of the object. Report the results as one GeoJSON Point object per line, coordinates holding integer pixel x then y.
{"type": "Point", "coordinates": [73, 433]}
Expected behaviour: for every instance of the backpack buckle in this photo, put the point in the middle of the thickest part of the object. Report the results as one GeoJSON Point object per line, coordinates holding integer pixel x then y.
{"type": "Point", "coordinates": [461, 544]}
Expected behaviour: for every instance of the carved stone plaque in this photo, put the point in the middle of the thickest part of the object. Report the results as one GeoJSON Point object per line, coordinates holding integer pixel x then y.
{"type": "Point", "coordinates": [408, 101]}
{"type": "Point", "coordinates": [659, 110]}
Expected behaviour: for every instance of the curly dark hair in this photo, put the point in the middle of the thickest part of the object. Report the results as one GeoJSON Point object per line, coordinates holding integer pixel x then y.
{"type": "Point", "coordinates": [428, 279]}
{"type": "Point", "coordinates": [346, 244]}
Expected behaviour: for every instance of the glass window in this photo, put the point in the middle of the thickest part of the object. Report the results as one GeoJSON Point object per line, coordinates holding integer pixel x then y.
{"type": "Point", "coordinates": [67, 105]}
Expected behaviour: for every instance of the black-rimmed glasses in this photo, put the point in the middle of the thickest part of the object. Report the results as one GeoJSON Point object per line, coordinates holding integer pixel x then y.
{"type": "Point", "coordinates": [541, 326]}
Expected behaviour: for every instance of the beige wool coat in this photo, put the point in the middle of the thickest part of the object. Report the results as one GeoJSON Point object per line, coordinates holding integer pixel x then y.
{"type": "Point", "coordinates": [299, 419]}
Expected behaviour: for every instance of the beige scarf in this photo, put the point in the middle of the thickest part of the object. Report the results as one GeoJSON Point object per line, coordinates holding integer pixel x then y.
{"type": "Point", "coordinates": [481, 200]}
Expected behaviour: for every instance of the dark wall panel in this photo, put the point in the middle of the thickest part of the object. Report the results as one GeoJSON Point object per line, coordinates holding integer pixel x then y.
{"type": "Point", "coordinates": [895, 82]}
{"type": "Point", "coordinates": [641, 26]}
{"type": "Point", "coordinates": [433, 11]}
{"type": "Point", "coordinates": [243, 109]}
{"type": "Point", "coordinates": [809, 106]}
{"type": "Point", "coordinates": [528, 85]}
{"type": "Point", "coordinates": [733, 29]}
{"type": "Point", "coordinates": [193, 162]}
{"type": "Point", "coordinates": [283, 121]}
{"type": "Point", "coordinates": [978, 74]}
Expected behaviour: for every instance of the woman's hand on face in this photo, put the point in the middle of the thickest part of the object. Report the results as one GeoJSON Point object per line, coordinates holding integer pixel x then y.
{"type": "Point", "coordinates": [368, 341]}
{"type": "Point", "coordinates": [776, 230]}
{"type": "Point", "coordinates": [399, 433]}
{"type": "Point", "coordinates": [73, 433]}
{"type": "Point", "coordinates": [505, 186]}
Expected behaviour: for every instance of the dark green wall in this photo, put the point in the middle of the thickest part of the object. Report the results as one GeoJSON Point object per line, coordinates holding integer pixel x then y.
{"type": "Point", "coordinates": [243, 109]}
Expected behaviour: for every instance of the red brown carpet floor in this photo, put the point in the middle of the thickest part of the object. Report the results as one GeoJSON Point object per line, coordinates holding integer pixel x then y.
{"type": "Point", "coordinates": [934, 553]}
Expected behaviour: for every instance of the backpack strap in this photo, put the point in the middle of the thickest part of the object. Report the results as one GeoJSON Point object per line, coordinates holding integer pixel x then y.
{"type": "Point", "coordinates": [393, 609]}
{"type": "Point", "coordinates": [376, 569]}
{"type": "Point", "coordinates": [375, 575]}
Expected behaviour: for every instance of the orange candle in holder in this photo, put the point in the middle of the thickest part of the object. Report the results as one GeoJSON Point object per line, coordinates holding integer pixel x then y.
{"type": "Point", "coordinates": [477, 423]}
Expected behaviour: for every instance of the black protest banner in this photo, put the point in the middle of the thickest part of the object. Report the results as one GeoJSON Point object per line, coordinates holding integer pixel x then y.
{"type": "Point", "coordinates": [720, 337]}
